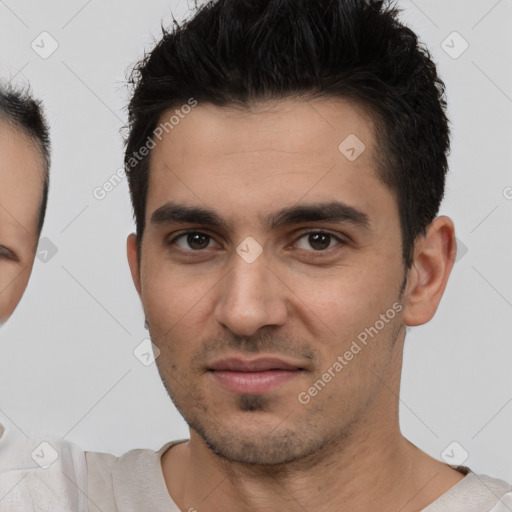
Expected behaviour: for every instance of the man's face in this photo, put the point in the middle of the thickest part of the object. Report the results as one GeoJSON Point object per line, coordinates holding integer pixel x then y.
{"type": "Point", "coordinates": [217, 308]}
{"type": "Point", "coordinates": [21, 185]}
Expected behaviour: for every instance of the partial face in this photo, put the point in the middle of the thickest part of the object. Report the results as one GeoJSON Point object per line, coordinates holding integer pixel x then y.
{"type": "Point", "coordinates": [21, 186]}
{"type": "Point", "coordinates": [271, 261]}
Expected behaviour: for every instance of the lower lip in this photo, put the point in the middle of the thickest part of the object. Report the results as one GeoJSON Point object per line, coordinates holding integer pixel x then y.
{"type": "Point", "coordinates": [253, 382]}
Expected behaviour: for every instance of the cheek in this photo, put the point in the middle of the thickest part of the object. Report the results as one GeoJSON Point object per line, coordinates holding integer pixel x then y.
{"type": "Point", "coordinates": [343, 303]}
{"type": "Point", "coordinates": [174, 300]}
{"type": "Point", "coordinates": [12, 286]}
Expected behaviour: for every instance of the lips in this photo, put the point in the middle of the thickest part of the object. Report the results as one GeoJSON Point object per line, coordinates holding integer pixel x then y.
{"type": "Point", "coordinates": [256, 365]}
{"type": "Point", "coordinates": [253, 377]}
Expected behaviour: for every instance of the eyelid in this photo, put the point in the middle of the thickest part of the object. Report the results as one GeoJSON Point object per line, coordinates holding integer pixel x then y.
{"type": "Point", "coordinates": [6, 253]}
{"type": "Point", "coordinates": [308, 231]}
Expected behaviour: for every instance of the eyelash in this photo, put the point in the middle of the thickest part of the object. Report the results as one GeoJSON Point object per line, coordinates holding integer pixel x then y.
{"type": "Point", "coordinates": [318, 252]}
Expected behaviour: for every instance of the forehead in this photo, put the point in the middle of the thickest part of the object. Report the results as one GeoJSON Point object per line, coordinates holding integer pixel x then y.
{"type": "Point", "coordinates": [21, 181]}
{"type": "Point", "coordinates": [245, 162]}
{"type": "Point", "coordinates": [299, 127]}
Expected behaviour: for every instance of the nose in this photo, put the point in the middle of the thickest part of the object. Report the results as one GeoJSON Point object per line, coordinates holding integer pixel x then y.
{"type": "Point", "coordinates": [251, 296]}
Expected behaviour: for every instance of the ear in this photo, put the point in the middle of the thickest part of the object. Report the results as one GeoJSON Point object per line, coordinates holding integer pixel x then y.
{"type": "Point", "coordinates": [434, 256]}
{"type": "Point", "coordinates": [133, 260]}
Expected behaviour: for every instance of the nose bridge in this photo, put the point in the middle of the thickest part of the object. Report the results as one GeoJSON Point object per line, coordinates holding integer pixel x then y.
{"type": "Point", "coordinates": [250, 296]}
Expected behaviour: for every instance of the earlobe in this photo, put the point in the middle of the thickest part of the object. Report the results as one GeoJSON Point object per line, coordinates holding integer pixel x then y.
{"type": "Point", "coordinates": [133, 260]}
{"type": "Point", "coordinates": [434, 256]}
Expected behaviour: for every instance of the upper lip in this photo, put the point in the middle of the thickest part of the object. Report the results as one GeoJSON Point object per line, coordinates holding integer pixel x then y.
{"type": "Point", "coordinates": [255, 365]}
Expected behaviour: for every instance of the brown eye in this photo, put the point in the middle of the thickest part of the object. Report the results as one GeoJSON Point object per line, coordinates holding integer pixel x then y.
{"type": "Point", "coordinates": [198, 240]}
{"type": "Point", "coordinates": [193, 240]}
{"type": "Point", "coordinates": [318, 241]}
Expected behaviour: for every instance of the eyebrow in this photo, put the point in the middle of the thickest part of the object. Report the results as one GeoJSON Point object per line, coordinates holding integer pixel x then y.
{"type": "Point", "coordinates": [334, 211]}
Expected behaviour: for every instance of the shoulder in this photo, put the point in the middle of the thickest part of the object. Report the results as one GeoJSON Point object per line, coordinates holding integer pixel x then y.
{"type": "Point", "coordinates": [496, 485]}
{"type": "Point", "coordinates": [496, 490]}
{"type": "Point", "coordinates": [41, 473]}
{"type": "Point", "coordinates": [134, 477]}
{"type": "Point", "coordinates": [475, 493]}
{"type": "Point", "coordinates": [105, 465]}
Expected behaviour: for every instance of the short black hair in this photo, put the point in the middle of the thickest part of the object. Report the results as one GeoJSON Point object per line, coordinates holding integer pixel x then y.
{"type": "Point", "coordinates": [21, 111]}
{"type": "Point", "coordinates": [233, 53]}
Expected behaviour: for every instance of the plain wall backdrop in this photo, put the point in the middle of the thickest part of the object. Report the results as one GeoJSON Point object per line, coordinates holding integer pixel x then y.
{"type": "Point", "coordinates": [67, 363]}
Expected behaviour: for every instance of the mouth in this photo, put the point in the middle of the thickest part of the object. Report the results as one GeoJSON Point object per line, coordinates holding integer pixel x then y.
{"type": "Point", "coordinates": [253, 376]}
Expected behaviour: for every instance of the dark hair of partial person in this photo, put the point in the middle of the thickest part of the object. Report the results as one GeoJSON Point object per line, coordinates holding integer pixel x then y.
{"type": "Point", "coordinates": [236, 53]}
{"type": "Point", "coordinates": [21, 111]}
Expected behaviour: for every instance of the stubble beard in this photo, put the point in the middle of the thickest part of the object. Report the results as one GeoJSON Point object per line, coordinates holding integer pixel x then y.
{"type": "Point", "coordinates": [276, 446]}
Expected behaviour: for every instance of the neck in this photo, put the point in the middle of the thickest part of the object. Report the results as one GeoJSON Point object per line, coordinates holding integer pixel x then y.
{"type": "Point", "coordinates": [369, 462]}
{"type": "Point", "coordinates": [367, 466]}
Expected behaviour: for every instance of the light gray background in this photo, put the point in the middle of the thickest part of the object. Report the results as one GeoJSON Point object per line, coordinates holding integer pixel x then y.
{"type": "Point", "coordinates": [66, 357]}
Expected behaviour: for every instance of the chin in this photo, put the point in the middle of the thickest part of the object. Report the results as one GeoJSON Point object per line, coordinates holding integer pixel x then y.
{"type": "Point", "coordinates": [257, 442]}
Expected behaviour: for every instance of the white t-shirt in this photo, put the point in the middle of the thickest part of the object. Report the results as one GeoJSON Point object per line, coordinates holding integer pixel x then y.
{"type": "Point", "coordinates": [78, 481]}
